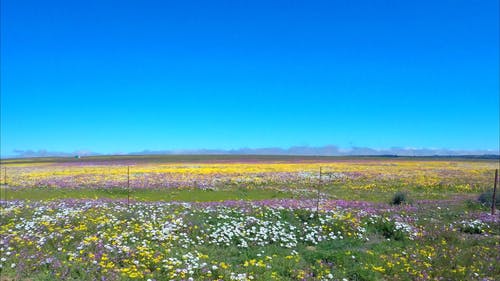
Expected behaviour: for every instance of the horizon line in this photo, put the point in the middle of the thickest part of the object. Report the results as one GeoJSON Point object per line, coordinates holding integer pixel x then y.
{"type": "Point", "coordinates": [327, 150]}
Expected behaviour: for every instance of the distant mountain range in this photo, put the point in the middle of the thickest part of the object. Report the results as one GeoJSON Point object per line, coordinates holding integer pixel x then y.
{"type": "Point", "coordinates": [329, 150]}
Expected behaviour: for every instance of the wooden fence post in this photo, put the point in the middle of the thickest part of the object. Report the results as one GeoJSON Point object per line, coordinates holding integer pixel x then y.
{"type": "Point", "coordinates": [318, 193]}
{"type": "Point", "coordinates": [4, 197]}
{"type": "Point", "coordinates": [494, 199]}
{"type": "Point", "coordinates": [128, 186]}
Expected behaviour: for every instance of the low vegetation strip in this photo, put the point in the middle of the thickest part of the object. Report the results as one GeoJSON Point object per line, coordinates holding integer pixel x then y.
{"type": "Point", "coordinates": [281, 239]}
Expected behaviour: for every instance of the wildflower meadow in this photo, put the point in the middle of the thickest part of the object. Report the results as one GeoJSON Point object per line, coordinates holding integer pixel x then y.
{"type": "Point", "coordinates": [241, 219]}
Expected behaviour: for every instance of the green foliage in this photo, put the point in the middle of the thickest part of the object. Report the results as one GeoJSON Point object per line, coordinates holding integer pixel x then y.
{"type": "Point", "coordinates": [473, 227]}
{"type": "Point", "coordinates": [389, 230]}
{"type": "Point", "coordinates": [399, 198]}
{"type": "Point", "coordinates": [486, 197]}
{"type": "Point", "coordinates": [157, 194]}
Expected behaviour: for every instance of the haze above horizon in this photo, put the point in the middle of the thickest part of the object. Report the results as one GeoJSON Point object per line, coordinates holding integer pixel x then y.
{"type": "Point", "coordinates": [128, 76]}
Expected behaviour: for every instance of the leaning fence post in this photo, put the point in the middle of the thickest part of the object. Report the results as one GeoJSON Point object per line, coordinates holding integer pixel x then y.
{"type": "Point", "coordinates": [493, 199]}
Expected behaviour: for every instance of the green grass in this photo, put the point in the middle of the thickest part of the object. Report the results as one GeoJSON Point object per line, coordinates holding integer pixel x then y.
{"type": "Point", "coordinates": [227, 193]}
{"type": "Point", "coordinates": [190, 195]}
{"type": "Point", "coordinates": [384, 196]}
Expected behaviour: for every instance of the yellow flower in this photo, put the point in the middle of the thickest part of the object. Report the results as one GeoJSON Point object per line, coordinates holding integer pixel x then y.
{"type": "Point", "coordinates": [378, 268]}
{"type": "Point", "coordinates": [224, 265]}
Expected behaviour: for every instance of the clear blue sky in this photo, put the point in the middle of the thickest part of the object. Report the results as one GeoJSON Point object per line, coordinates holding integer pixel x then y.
{"type": "Point", "coordinates": [123, 76]}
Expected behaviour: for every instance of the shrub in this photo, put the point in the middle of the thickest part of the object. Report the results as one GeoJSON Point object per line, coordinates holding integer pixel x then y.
{"type": "Point", "coordinates": [485, 198]}
{"type": "Point", "coordinates": [399, 198]}
{"type": "Point", "coordinates": [473, 227]}
{"type": "Point", "coordinates": [393, 229]}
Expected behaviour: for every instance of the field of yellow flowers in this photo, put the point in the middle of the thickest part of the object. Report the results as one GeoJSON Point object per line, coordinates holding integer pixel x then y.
{"type": "Point", "coordinates": [463, 176]}
{"type": "Point", "coordinates": [281, 231]}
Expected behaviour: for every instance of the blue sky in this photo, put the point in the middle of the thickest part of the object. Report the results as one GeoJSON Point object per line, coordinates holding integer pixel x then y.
{"type": "Point", "coordinates": [124, 76]}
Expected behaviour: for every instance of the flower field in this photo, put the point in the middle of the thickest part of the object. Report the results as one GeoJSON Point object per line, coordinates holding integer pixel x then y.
{"type": "Point", "coordinates": [462, 176]}
{"type": "Point", "coordinates": [285, 238]}
{"type": "Point", "coordinates": [234, 240]}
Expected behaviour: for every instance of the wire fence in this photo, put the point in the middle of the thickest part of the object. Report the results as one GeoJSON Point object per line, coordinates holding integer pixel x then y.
{"type": "Point", "coordinates": [130, 177]}
{"type": "Point", "coordinates": [313, 183]}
